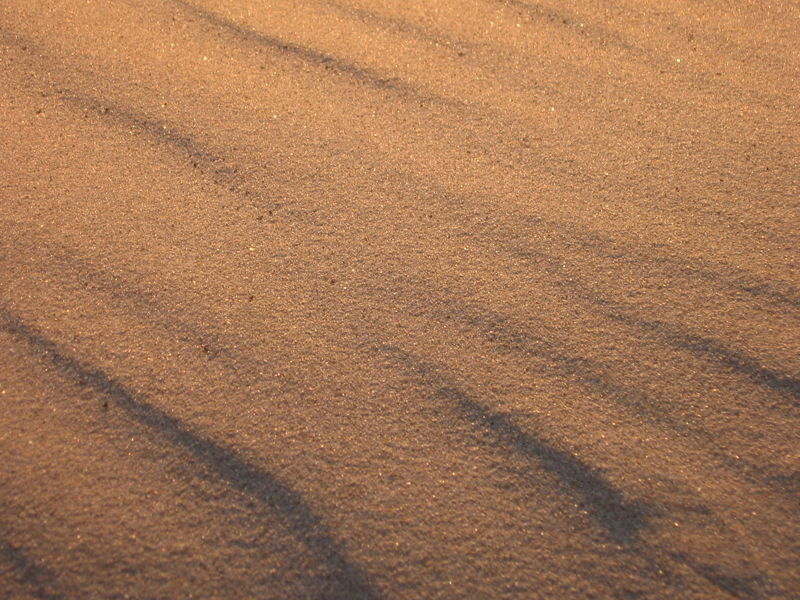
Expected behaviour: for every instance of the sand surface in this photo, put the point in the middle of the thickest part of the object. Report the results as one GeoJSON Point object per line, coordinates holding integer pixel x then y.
{"type": "Point", "coordinates": [397, 299]}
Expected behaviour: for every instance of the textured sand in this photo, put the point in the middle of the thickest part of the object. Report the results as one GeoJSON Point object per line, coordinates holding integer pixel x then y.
{"type": "Point", "coordinates": [399, 299]}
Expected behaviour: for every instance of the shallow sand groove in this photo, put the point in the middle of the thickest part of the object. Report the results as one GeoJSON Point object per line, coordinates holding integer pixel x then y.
{"type": "Point", "coordinates": [399, 299]}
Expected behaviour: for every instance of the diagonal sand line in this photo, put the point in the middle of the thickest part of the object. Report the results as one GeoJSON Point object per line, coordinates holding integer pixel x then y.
{"type": "Point", "coordinates": [348, 580]}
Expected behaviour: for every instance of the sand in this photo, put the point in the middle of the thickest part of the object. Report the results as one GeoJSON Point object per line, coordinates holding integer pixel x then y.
{"type": "Point", "coordinates": [399, 299]}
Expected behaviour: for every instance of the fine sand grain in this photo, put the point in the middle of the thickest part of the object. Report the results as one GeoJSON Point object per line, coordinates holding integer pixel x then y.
{"type": "Point", "coordinates": [398, 299]}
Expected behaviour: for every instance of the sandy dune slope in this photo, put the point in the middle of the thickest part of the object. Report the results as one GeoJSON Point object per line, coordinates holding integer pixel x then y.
{"type": "Point", "coordinates": [398, 299]}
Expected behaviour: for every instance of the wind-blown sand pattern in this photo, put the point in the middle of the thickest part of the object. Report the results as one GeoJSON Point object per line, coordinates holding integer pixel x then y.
{"type": "Point", "coordinates": [398, 299]}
